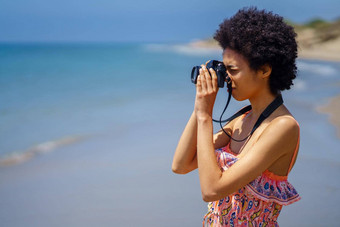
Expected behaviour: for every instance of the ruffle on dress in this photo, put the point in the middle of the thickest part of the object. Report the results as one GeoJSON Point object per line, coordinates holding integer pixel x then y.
{"type": "Point", "coordinates": [270, 188]}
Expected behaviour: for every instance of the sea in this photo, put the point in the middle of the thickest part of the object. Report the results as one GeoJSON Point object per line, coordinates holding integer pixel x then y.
{"type": "Point", "coordinates": [88, 131]}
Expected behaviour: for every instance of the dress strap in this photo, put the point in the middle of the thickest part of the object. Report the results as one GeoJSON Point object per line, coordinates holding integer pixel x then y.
{"type": "Point", "coordinates": [296, 150]}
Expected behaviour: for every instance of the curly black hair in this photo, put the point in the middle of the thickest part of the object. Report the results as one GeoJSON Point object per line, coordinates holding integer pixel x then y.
{"type": "Point", "coordinates": [262, 38]}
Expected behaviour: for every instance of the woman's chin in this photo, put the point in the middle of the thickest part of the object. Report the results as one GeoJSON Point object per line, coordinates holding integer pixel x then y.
{"type": "Point", "coordinates": [237, 97]}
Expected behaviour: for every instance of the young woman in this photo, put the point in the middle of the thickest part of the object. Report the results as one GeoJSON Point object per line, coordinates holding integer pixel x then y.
{"type": "Point", "coordinates": [244, 178]}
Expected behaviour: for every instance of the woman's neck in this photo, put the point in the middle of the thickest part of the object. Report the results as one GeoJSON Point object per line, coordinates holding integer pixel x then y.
{"type": "Point", "coordinates": [260, 102]}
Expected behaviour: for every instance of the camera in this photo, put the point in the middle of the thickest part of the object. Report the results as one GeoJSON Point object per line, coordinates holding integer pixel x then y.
{"type": "Point", "coordinates": [218, 67]}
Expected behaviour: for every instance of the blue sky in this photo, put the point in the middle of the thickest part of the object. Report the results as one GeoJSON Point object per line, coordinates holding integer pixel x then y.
{"type": "Point", "coordinates": [137, 21]}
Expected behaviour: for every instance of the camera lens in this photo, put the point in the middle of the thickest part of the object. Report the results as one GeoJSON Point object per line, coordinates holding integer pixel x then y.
{"type": "Point", "coordinates": [194, 73]}
{"type": "Point", "coordinates": [219, 69]}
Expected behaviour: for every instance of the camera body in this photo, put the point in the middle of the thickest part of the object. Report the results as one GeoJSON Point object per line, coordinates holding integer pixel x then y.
{"type": "Point", "coordinates": [218, 67]}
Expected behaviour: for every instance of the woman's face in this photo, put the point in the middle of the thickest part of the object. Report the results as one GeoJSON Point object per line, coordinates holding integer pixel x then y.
{"type": "Point", "coordinates": [246, 82]}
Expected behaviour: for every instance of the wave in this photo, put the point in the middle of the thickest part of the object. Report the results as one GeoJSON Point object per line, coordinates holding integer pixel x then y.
{"type": "Point", "coordinates": [18, 157]}
{"type": "Point", "coordinates": [186, 49]}
{"type": "Point", "coordinates": [320, 69]}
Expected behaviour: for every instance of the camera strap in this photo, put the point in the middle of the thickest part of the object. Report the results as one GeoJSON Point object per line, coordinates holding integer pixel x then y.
{"type": "Point", "coordinates": [278, 101]}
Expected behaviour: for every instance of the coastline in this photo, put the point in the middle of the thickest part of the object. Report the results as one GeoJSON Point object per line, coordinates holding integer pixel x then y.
{"type": "Point", "coordinates": [328, 51]}
{"type": "Point", "coordinates": [332, 109]}
{"type": "Point", "coordinates": [312, 46]}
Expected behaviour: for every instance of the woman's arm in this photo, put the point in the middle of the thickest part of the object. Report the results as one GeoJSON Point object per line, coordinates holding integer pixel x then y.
{"type": "Point", "coordinates": [185, 159]}
{"type": "Point", "coordinates": [277, 140]}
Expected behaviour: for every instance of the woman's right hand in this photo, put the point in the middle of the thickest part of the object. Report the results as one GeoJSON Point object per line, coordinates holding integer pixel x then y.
{"type": "Point", "coordinates": [206, 91]}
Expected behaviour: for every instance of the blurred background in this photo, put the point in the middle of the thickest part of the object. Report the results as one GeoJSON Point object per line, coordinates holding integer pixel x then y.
{"type": "Point", "coordinates": [94, 96]}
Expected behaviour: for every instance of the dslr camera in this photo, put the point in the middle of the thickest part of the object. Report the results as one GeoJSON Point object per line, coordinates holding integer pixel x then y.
{"type": "Point", "coordinates": [218, 67]}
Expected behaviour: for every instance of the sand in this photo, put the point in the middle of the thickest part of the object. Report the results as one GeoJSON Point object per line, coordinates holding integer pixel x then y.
{"type": "Point", "coordinates": [332, 108]}
{"type": "Point", "coordinates": [329, 51]}
{"type": "Point", "coordinates": [311, 48]}
{"type": "Point", "coordinates": [308, 46]}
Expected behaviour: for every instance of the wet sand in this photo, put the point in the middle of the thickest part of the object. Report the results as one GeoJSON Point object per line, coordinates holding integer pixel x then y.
{"type": "Point", "coordinates": [332, 109]}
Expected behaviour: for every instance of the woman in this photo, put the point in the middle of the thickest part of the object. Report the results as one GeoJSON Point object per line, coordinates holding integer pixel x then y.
{"type": "Point", "coordinates": [245, 180]}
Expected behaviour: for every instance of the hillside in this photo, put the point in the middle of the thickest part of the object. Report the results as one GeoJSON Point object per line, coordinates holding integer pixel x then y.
{"type": "Point", "coordinates": [317, 39]}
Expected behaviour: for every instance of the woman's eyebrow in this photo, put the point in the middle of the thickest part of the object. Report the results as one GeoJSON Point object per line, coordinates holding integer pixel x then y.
{"type": "Point", "coordinates": [231, 66]}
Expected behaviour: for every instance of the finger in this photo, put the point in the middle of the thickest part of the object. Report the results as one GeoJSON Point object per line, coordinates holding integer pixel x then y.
{"type": "Point", "coordinates": [199, 84]}
{"type": "Point", "coordinates": [208, 80]}
{"type": "Point", "coordinates": [203, 79]}
{"type": "Point", "coordinates": [214, 80]}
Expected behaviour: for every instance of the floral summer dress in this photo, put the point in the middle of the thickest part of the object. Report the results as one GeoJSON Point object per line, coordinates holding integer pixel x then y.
{"type": "Point", "coordinates": [257, 204]}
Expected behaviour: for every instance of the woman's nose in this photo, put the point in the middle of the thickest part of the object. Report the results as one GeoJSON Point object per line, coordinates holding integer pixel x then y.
{"type": "Point", "coordinates": [228, 81]}
{"type": "Point", "coordinates": [228, 78]}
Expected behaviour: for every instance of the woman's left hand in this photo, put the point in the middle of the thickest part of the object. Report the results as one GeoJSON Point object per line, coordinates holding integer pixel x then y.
{"type": "Point", "coordinates": [206, 91]}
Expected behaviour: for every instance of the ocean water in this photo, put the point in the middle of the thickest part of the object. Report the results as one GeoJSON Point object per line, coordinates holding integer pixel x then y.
{"type": "Point", "coordinates": [89, 130]}
{"type": "Point", "coordinates": [55, 91]}
{"type": "Point", "coordinates": [49, 93]}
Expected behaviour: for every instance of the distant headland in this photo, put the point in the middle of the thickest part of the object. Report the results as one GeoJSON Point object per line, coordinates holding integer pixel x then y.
{"type": "Point", "coordinates": [317, 39]}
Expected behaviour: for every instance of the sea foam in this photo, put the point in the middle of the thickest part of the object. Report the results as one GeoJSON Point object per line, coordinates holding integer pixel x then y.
{"type": "Point", "coordinates": [18, 157]}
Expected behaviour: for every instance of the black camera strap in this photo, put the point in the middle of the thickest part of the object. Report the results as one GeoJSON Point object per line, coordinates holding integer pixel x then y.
{"type": "Point", "coordinates": [278, 101]}
{"type": "Point", "coordinates": [237, 114]}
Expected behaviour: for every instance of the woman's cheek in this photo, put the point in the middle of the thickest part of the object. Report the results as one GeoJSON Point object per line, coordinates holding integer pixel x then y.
{"type": "Point", "coordinates": [239, 94]}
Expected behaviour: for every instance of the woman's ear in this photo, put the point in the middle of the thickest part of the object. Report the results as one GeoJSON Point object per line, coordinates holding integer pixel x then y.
{"type": "Point", "coordinates": [266, 70]}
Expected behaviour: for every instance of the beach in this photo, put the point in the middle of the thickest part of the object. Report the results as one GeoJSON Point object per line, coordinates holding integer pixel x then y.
{"type": "Point", "coordinates": [332, 108]}
{"type": "Point", "coordinates": [87, 137]}
{"type": "Point", "coordinates": [324, 51]}
{"type": "Point", "coordinates": [310, 49]}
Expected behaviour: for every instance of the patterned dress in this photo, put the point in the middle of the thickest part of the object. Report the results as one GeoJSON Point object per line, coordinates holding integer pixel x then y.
{"type": "Point", "coordinates": [257, 204]}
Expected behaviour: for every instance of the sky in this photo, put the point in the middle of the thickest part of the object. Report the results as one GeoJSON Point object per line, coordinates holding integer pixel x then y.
{"type": "Point", "coordinates": [152, 21]}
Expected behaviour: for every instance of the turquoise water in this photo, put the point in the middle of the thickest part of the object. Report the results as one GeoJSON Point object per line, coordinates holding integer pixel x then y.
{"type": "Point", "coordinates": [108, 113]}
{"type": "Point", "coordinates": [48, 92]}
{"type": "Point", "coordinates": [52, 91]}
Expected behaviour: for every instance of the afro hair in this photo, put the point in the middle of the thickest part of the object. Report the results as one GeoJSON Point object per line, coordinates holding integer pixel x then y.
{"type": "Point", "coordinates": [262, 38]}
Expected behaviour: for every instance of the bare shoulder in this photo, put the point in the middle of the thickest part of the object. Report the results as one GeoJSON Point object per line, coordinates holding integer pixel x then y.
{"type": "Point", "coordinates": [284, 129]}
{"type": "Point", "coordinates": [285, 123]}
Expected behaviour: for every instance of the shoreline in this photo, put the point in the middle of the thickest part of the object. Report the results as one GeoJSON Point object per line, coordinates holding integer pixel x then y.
{"type": "Point", "coordinates": [328, 51]}
{"type": "Point", "coordinates": [332, 109]}
{"type": "Point", "coordinates": [318, 54]}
